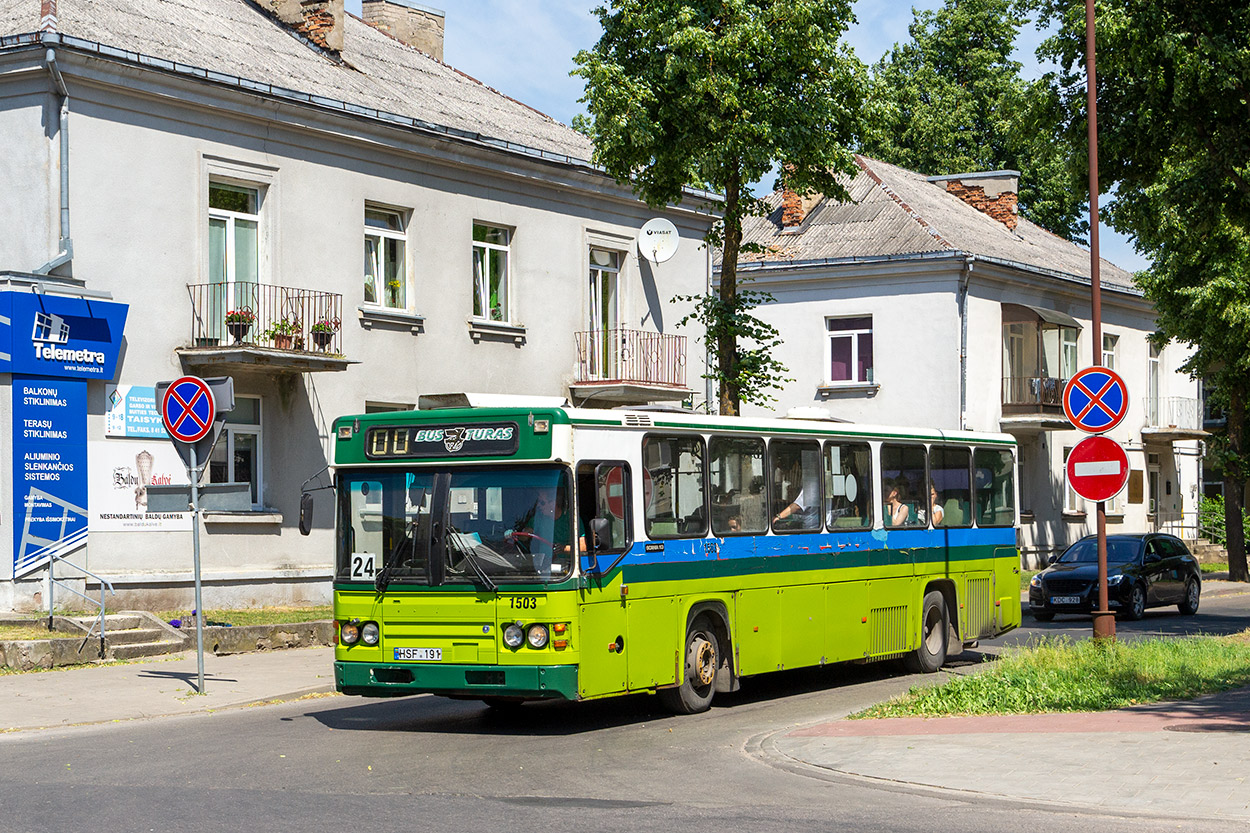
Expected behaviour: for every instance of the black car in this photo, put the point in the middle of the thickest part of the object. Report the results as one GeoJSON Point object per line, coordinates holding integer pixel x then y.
{"type": "Point", "coordinates": [1147, 570]}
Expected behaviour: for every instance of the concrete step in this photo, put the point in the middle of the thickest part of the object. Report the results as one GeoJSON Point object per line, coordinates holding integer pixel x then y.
{"type": "Point", "coordinates": [133, 636]}
{"type": "Point", "coordinates": [134, 650]}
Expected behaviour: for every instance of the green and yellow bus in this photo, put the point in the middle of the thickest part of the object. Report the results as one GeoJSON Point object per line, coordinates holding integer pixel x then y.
{"type": "Point", "coordinates": [515, 553]}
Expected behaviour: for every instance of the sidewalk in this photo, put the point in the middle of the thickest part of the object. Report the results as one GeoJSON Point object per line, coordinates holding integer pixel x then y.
{"type": "Point", "coordinates": [84, 695]}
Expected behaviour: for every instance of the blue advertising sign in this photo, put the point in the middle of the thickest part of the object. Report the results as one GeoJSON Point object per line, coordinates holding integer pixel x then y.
{"type": "Point", "coordinates": [49, 469]}
{"type": "Point", "coordinates": [132, 411]}
{"type": "Point", "coordinates": [56, 335]}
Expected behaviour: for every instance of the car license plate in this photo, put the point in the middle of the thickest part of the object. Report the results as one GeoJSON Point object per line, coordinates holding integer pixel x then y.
{"type": "Point", "coordinates": [419, 654]}
{"type": "Point", "coordinates": [1065, 600]}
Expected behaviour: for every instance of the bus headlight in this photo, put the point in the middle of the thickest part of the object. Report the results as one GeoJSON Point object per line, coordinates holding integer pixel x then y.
{"type": "Point", "coordinates": [513, 636]}
{"type": "Point", "coordinates": [370, 633]}
{"type": "Point", "coordinates": [349, 634]}
{"type": "Point", "coordinates": [537, 636]}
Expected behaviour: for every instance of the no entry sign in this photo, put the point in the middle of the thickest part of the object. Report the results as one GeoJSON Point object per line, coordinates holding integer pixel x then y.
{"type": "Point", "coordinates": [188, 409]}
{"type": "Point", "coordinates": [1095, 400]}
{"type": "Point", "coordinates": [1097, 469]}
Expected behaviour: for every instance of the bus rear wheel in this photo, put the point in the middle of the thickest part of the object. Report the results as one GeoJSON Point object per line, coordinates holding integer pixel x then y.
{"type": "Point", "coordinates": [698, 684]}
{"type": "Point", "coordinates": [934, 632]}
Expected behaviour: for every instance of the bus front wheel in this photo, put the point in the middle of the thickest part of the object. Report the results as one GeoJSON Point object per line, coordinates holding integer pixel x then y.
{"type": "Point", "coordinates": [934, 632]}
{"type": "Point", "coordinates": [698, 684]}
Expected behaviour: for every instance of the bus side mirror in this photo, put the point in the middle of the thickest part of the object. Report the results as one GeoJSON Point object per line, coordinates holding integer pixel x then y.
{"type": "Point", "coordinates": [600, 533]}
{"type": "Point", "coordinates": [305, 513]}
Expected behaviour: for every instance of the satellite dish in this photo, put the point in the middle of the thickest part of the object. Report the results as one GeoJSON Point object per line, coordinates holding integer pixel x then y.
{"type": "Point", "coordinates": [657, 240]}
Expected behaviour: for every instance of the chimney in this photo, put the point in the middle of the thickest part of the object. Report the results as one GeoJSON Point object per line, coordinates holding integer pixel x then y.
{"type": "Point", "coordinates": [321, 21]}
{"type": "Point", "coordinates": [416, 24]}
{"type": "Point", "coordinates": [990, 192]}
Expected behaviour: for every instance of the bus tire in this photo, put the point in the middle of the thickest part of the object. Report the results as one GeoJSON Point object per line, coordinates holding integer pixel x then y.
{"type": "Point", "coordinates": [698, 685]}
{"type": "Point", "coordinates": [934, 633]}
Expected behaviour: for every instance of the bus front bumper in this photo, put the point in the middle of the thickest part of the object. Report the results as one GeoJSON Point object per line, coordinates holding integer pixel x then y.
{"type": "Point", "coordinates": [372, 679]}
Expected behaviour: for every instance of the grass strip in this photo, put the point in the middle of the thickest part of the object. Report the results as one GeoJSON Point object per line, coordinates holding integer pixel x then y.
{"type": "Point", "coordinates": [1063, 675]}
{"type": "Point", "coordinates": [254, 616]}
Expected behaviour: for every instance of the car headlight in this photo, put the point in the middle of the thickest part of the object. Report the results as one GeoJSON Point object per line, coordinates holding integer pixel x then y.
{"type": "Point", "coordinates": [537, 636]}
{"type": "Point", "coordinates": [1112, 581]}
{"type": "Point", "coordinates": [513, 636]}
{"type": "Point", "coordinates": [349, 633]}
{"type": "Point", "coordinates": [370, 633]}
{"type": "Point", "coordinates": [1036, 581]}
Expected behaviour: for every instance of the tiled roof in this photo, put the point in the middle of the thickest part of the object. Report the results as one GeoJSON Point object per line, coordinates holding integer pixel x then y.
{"type": "Point", "coordinates": [896, 212]}
{"type": "Point", "coordinates": [236, 38]}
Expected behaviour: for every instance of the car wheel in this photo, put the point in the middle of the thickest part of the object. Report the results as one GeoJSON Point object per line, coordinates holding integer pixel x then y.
{"type": "Point", "coordinates": [934, 628]}
{"type": "Point", "coordinates": [1193, 593]}
{"type": "Point", "coordinates": [1136, 607]}
{"type": "Point", "coordinates": [1043, 615]}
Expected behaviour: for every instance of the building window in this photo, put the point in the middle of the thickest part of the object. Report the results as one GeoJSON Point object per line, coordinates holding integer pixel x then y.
{"type": "Point", "coordinates": [491, 248]}
{"type": "Point", "coordinates": [386, 276]}
{"type": "Point", "coordinates": [1068, 336]}
{"type": "Point", "coordinates": [233, 251]}
{"type": "Point", "coordinates": [1072, 502]}
{"type": "Point", "coordinates": [1110, 346]}
{"type": "Point", "coordinates": [605, 313]}
{"type": "Point", "coordinates": [848, 354]}
{"type": "Point", "coordinates": [237, 456]}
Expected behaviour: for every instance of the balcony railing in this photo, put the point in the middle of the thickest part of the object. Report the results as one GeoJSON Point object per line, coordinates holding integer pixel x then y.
{"type": "Point", "coordinates": [274, 317]}
{"type": "Point", "coordinates": [1174, 412]}
{"type": "Point", "coordinates": [634, 357]}
{"type": "Point", "coordinates": [1032, 393]}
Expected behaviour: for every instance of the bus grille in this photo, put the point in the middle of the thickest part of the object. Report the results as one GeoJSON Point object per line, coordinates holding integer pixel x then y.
{"type": "Point", "coordinates": [888, 630]}
{"type": "Point", "coordinates": [980, 609]}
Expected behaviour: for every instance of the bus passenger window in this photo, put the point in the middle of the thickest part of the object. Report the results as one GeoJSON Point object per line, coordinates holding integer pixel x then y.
{"type": "Point", "coordinates": [848, 486]}
{"type": "Point", "coordinates": [737, 475]}
{"type": "Point", "coordinates": [796, 485]}
{"type": "Point", "coordinates": [996, 487]}
{"type": "Point", "coordinates": [673, 479]}
{"type": "Point", "coordinates": [903, 486]}
{"type": "Point", "coordinates": [950, 489]}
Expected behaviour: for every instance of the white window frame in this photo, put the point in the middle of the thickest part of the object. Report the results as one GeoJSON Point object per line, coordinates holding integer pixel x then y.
{"type": "Point", "coordinates": [1075, 504]}
{"type": "Point", "coordinates": [400, 235]}
{"type": "Point", "coordinates": [231, 219]}
{"type": "Point", "coordinates": [481, 292]}
{"type": "Point", "coordinates": [1069, 351]}
{"type": "Point", "coordinates": [228, 438]}
{"type": "Point", "coordinates": [1110, 350]}
{"type": "Point", "coordinates": [853, 335]}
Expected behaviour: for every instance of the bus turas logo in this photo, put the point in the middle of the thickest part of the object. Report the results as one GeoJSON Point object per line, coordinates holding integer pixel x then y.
{"type": "Point", "coordinates": [482, 440]}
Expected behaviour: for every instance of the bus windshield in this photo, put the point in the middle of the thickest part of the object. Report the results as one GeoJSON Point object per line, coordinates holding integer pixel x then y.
{"type": "Point", "coordinates": [511, 524]}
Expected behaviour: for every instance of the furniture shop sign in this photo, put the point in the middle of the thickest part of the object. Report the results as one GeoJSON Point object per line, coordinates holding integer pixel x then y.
{"type": "Point", "coordinates": [49, 469]}
{"type": "Point", "coordinates": [132, 411]}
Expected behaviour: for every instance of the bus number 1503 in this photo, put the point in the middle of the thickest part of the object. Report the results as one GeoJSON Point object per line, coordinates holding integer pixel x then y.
{"type": "Point", "coordinates": [524, 602]}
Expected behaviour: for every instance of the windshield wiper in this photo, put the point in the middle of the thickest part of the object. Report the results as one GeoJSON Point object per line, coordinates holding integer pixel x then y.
{"type": "Point", "coordinates": [453, 539]}
{"type": "Point", "coordinates": [383, 579]}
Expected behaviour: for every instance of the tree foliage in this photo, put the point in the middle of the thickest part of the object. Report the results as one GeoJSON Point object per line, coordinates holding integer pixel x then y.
{"type": "Point", "coordinates": [952, 100]}
{"type": "Point", "coordinates": [711, 94]}
{"type": "Point", "coordinates": [1173, 84]}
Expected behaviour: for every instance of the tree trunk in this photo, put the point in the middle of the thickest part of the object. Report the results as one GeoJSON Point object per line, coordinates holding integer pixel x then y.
{"type": "Point", "coordinates": [1234, 490]}
{"type": "Point", "coordinates": [727, 338]}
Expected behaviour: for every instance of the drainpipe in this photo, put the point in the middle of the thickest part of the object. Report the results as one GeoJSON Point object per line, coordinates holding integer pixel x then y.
{"type": "Point", "coordinates": [964, 277]}
{"type": "Point", "coordinates": [66, 253]}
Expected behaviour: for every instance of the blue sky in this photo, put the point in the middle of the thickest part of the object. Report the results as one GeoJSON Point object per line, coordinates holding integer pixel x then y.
{"type": "Point", "coordinates": [525, 48]}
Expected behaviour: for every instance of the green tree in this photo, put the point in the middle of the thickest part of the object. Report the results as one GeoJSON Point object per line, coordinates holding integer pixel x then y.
{"type": "Point", "coordinates": [1173, 93]}
{"type": "Point", "coordinates": [710, 94]}
{"type": "Point", "coordinates": [951, 100]}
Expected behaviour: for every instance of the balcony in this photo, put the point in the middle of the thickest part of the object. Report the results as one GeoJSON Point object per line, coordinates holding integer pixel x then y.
{"type": "Point", "coordinates": [242, 326]}
{"type": "Point", "coordinates": [1171, 418]}
{"type": "Point", "coordinates": [630, 367]}
{"type": "Point", "coordinates": [1032, 404]}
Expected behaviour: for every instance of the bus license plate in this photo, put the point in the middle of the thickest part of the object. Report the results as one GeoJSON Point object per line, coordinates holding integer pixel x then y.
{"type": "Point", "coordinates": [1065, 600]}
{"type": "Point", "coordinates": [419, 654]}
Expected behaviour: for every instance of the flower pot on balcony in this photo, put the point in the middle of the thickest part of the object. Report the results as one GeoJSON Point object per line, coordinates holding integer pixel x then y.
{"type": "Point", "coordinates": [282, 342]}
{"type": "Point", "coordinates": [322, 340]}
{"type": "Point", "coordinates": [238, 330]}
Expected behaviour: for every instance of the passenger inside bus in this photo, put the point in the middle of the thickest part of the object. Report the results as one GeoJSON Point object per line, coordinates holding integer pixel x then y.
{"type": "Point", "coordinates": [896, 511]}
{"type": "Point", "coordinates": [935, 505]}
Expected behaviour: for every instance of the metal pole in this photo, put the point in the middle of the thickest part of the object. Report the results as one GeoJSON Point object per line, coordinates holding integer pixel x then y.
{"type": "Point", "coordinates": [1104, 619]}
{"type": "Point", "coordinates": [195, 539]}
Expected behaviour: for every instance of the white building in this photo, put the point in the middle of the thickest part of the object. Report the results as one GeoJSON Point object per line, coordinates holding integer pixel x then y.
{"type": "Point", "coordinates": [927, 302]}
{"type": "Point", "coordinates": [175, 161]}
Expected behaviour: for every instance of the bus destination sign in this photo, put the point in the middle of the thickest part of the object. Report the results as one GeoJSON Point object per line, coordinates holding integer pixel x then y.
{"type": "Point", "coordinates": [485, 439]}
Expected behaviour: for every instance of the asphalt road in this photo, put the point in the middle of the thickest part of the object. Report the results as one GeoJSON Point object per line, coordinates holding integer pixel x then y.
{"type": "Point", "coordinates": [424, 763]}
